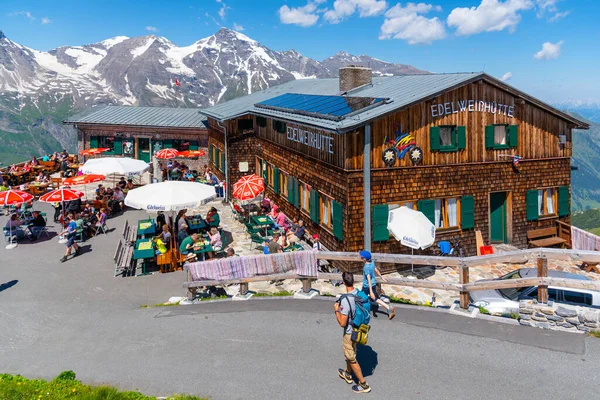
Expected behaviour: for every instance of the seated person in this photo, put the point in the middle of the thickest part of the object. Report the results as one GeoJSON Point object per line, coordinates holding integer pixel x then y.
{"type": "Point", "coordinates": [26, 167]}
{"type": "Point", "coordinates": [100, 220]}
{"type": "Point", "coordinates": [122, 184]}
{"type": "Point", "coordinates": [189, 175]}
{"type": "Point", "coordinates": [212, 217]}
{"type": "Point", "coordinates": [207, 174]}
{"type": "Point", "coordinates": [64, 155]}
{"type": "Point", "coordinates": [160, 220]}
{"type": "Point", "coordinates": [283, 242]}
{"type": "Point", "coordinates": [118, 199]}
{"type": "Point", "coordinates": [188, 243]}
{"type": "Point", "coordinates": [215, 239]}
{"type": "Point", "coordinates": [36, 225]}
{"type": "Point", "coordinates": [279, 219]}
{"type": "Point", "coordinates": [12, 227]}
{"type": "Point", "coordinates": [73, 206]}
{"type": "Point", "coordinates": [213, 180]}
{"type": "Point", "coordinates": [34, 162]}
{"type": "Point", "coordinates": [265, 205]}
{"type": "Point", "coordinates": [181, 219]}
{"type": "Point", "coordinates": [40, 178]}
{"type": "Point", "coordinates": [182, 233]}
{"type": "Point", "coordinates": [161, 247]}
{"type": "Point", "coordinates": [297, 234]}
{"type": "Point", "coordinates": [13, 168]}
{"type": "Point", "coordinates": [129, 184]}
{"type": "Point", "coordinates": [88, 210]}
{"type": "Point", "coordinates": [165, 235]}
{"type": "Point", "coordinates": [45, 158]}
{"type": "Point", "coordinates": [230, 252]}
{"type": "Point", "coordinates": [274, 246]}
{"type": "Point", "coordinates": [100, 192]}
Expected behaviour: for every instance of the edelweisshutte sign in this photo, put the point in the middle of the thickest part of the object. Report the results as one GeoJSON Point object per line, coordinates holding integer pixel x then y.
{"type": "Point", "coordinates": [454, 107]}
{"type": "Point", "coordinates": [308, 138]}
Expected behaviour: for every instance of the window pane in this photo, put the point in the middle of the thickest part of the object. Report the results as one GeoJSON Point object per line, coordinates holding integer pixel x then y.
{"type": "Point", "coordinates": [446, 136]}
{"type": "Point", "coordinates": [541, 210]}
{"type": "Point", "coordinates": [452, 212]}
{"type": "Point", "coordinates": [550, 201]}
{"type": "Point", "coordinates": [107, 142]}
{"type": "Point", "coordinates": [325, 216]}
{"type": "Point", "coordinates": [576, 297]}
{"type": "Point", "coordinates": [409, 204]}
{"type": "Point", "coordinates": [439, 219]}
{"type": "Point", "coordinates": [499, 134]}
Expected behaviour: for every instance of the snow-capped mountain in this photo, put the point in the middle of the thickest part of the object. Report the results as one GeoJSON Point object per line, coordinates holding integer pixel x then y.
{"type": "Point", "coordinates": [142, 71]}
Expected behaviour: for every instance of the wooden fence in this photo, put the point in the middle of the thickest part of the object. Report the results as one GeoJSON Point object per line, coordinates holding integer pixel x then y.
{"type": "Point", "coordinates": [463, 286]}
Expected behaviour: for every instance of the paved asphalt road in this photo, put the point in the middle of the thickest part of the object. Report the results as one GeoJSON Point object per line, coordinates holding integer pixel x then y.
{"type": "Point", "coordinates": [55, 317]}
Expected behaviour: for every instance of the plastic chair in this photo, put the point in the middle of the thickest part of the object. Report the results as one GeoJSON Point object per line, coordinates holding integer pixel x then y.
{"type": "Point", "coordinates": [445, 247]}
{"type": "Point", "coordinates": [102, 228]}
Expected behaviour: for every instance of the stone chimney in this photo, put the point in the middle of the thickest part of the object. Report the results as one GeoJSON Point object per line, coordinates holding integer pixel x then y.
{"type": "Point", "coordinates": [353, 76]}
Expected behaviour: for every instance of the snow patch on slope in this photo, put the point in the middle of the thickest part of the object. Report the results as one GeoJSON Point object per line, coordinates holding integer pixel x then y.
{"type": "Point", "coordinates": [86, 60]}
{"type": "Point", "coordinates": [176, 55]}
{"type": "Point", "coordinates": [142, 49]}
{"type": "Point", "coordinates": [108, 43]}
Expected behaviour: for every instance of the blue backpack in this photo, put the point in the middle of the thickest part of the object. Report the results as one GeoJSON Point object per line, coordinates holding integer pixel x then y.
{"type": "Point", "coordinates": [362, 311]}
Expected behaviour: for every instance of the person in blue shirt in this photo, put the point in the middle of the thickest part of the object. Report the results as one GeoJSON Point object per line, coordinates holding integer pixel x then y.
{"type": "Point", "coordinates": [70, 234]}
{"type": "Point", "coordinates": [370, 284]}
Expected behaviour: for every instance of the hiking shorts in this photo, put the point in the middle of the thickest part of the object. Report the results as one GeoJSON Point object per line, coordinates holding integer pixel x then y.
{"type": "Point", "coordinates": [349, 348]}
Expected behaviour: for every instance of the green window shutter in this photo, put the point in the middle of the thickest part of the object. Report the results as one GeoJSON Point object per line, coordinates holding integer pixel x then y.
{"type": "Point", "coordinates": [427, 207]}
{"type": "Point", "coordinates": [314, 206]}
{"type": "Point", "coordinates": [265, 175]}
{"type": "Point", "coordinates": [513, 135]}
{"type": "Point", "coordinates": [93, 142]}
{"type": "Point", "coordinates": [276, 187]}
{"type": "Point", "coordinates": [489, 137]}
{"type": "Point", "coordinates": [467, 212]}
{"type": "Point", "coordinates": [193, 145]}
{"type": "Point", "coordinates": [379, 222]}
{"type": "Point", "coordinates": [434, 138]}
{"type": "Point", "coordinates": [563, 201]}
{"type": "Point", "coordinates": [118, 143]}
{"type": "Point", "coordinates": [223, 162]}
{"type": "Point", "coordinates": [210, 152]}
{"type": "Point", "coordinates": [297, 192]}
{"type": "Point", "coordinates": [290, 189]}
{"type": "Point", "coordinates": [337, 220]}
{"type": "Point", "coordinates": [461, 137]}
{"type": "Point", "coordinates": [533, 208]}
{"type": "Point", "coordinates": [168, 144]}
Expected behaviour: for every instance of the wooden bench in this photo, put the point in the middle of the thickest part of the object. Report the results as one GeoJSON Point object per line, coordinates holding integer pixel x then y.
{"type": "Point", "coordinates": [545, 237]}
{"type": "Point", "coordinates": [123, 259]}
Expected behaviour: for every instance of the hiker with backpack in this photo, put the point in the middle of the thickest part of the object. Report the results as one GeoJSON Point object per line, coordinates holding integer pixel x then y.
{"type": "Point", "coordinates": [370, 284]}
{"type": "Point", "coordinates": [353, 313]}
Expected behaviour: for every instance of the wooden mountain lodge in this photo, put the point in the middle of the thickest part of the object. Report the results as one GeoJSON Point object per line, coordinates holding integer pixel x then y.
{"type": "Point", "coordinates": [139, 132]}
{"type": "Point", "coordinates": [469, 151]}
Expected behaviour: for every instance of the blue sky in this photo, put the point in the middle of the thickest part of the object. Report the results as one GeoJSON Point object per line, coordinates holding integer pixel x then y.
{"type": "Point", "coordinates": [498, 36]}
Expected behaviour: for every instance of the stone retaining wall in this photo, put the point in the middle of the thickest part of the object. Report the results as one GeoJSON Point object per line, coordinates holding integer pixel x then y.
{"type": "Point", "coordinates": [558, 317]}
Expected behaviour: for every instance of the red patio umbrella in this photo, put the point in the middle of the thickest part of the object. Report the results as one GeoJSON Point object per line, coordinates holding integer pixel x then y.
{"type": "Point", "coordinates": [14, 197]}
{"type": "Point", "coordinates": [166, 153]}
{"type": "Point", "coordinates": [92, 152]}
{"type": "Point", "coordinates": [248, 187]}
{"type": "Point", "coordinates": [83, 179]}
{"type": "Point", "coordinates": [192, 153]}
{"type": "Point", "coordinates": [61, 195]}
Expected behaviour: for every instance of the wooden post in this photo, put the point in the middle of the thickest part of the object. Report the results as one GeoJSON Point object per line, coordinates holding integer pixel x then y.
{"type": "Point", "coordinates": [464, 295]}
{"type": "Point", "coordinates": [243, 289]}
{"type": "Point", "coordinates": [191, 290]}
{"type": "Point", "coordinates": [542, 272]}
{"type": "Point", "coordinates": [306, 285]}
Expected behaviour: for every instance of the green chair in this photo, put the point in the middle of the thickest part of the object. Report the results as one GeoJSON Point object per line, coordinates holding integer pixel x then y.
{"type": "Point", "coordinates": [256, 239]}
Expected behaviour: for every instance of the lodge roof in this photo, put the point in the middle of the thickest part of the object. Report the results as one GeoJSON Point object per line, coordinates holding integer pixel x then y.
{"type": "Point", "coordinates": [401, 91]}
{"type": "Point", "coordinates": [164, 117]}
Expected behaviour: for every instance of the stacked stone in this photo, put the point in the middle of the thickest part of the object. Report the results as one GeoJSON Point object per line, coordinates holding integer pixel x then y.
{"type": "Point", "coordinates": [555, 317]}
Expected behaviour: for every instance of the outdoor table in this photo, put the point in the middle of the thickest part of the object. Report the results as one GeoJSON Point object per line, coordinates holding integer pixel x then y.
{"type": "Point", "coordinates": [202, 246]}
{"type": "Point", "coordinates": [196, 223]}
{"type": "Point", "coordinates": [144, 248]}
{"type": "Point", "coordinates": [294, 247]}
{"type": "Point", "coordinates": [146, 227]}
{"type": "Point", "coordinates": [262, 221]}
{"type": "Point", "coordinates": [251, 208]}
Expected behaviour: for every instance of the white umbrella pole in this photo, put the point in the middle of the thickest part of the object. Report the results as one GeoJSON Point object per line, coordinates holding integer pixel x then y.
{"type": "Point", "coordinates": [412, 263]}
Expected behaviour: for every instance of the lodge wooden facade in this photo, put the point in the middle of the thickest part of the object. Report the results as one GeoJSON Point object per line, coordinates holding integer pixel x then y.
{"type": "Point", "coordinates": [495, 160]}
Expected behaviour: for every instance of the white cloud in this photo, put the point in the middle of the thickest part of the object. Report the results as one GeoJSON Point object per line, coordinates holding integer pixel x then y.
{"type": "Point", "coordinates": [490, 15]}
{"type": "Point", "coordinates": [506, 76]}
{"type": "Point", "coordinates": [405, 23]}
{"type": "Point", "coordinates": [558, 16]}
{"type": "Point", "coordinates": [238, 27]}
{"type": "Point", "coordinates": [26, 14]}
{"type": "Point", "coordinates": [151, 28]}
{"type": "Point", "coordinates": [345, 8]}
{"type": "Point", "coordinates": [549, 51]}
{"type": "Point", "coordinates": [547, 7]}
{"type": "Point", "coordinates": [223, 9]}
{"type": "Point", "coordinates": [302, 16]}
{"type": "Point", "coordinates": [46, 20]}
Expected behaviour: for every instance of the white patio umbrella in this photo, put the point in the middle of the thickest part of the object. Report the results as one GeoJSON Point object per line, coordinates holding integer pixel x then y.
{"type": "Point", "coordinates": [170, 196]}
{"type": "Point", "coordinates": [114, 165]}
{"type": "Point", "coordinates": [411, 228]}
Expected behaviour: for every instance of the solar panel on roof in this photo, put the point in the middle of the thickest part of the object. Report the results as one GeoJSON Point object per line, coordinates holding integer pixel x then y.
{"type": "Point", "coordinates": [327, 107]}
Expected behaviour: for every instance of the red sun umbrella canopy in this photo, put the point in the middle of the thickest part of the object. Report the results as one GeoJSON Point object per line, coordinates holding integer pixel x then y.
{"type": "Point", "coordinates": [83, 179]}
{"type": "Point", "coordinates": [248, 187]}
{"type": "Point", "coordinates": [192, 153]}
{"type": "Point", "coordinates": [60, 195]}
{"type": "Point", "coordinates": [166, 153]}
{"type": "Point", "coordinates": [14, 197]}
{"type": "Point", "coordinates": [91, 152]}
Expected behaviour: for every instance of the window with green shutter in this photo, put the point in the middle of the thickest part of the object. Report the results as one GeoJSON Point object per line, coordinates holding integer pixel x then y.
{"type": "Point", "coordinates": [293, 195]}
{"type": "Point", "coordinates": [276, 183]}
{"type": "Point", "coordinates": [447, 138]}
{"type": "Point", "coordinates": [501, 136]}
{"type": "Point", "coordinates": [467, 212]}
{"type": "Point", "coordinates": [193, 145]}
{"type": "Point", "coordinates": [93, 142]}
{"type": "Point", "coordinates": [563, 201]}
{"type": "Point", "coordinates": [489, 137]}
{"type": "Point", "coordinates": [118, 143]}
{"type": "Point", "coordinates": [379, 220]}
{"type": "Point", "coordinates": [427, 207]}
{"type": "Point", "coordinates": [434, 138]}
{"type": "Point", "coordinates": [513, 136]}
{"type": "Point", "coordinates": [532, 205]}
{"type": "Point", "coordinates": [314, 206]}
{"type": "Point", "coordinates": [337, 220]}
{"type": "Point", "coordinates": [461, 132]}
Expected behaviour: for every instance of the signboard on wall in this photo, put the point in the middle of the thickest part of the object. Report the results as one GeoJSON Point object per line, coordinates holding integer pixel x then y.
{"type": "Point", "coordinates": [471, 105]}
{"type": "Point", "coordinates": [316, 140]}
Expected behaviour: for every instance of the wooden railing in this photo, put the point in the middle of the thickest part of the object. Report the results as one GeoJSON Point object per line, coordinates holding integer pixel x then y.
{"type": "Point", "coordinates": [463, 286]}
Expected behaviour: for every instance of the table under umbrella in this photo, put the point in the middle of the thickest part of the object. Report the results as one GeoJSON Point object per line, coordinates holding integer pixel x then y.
{"type": "Point", "coordinates": [411, 228]}
{"type": "Point", "coordinates": [13, 198]}
{"type": "Point", "coordinates": [61, 196]}
{"type": "Point", "coordinates": [248, 187]}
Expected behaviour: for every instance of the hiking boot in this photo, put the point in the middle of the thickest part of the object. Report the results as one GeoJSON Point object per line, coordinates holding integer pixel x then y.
{"type": "Point", "coordinates": [63, 259]}
{"type": "Point", "coordinates": [345, 376]}
{"type": "Point", "coordinates": [391, 313]}
{"type": "Point", "coordinates": [361, 388]}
